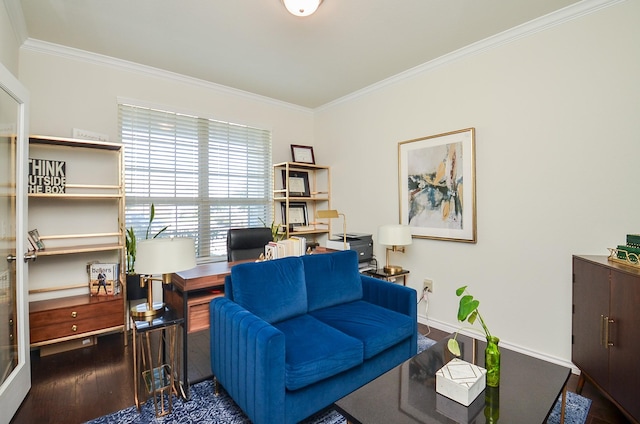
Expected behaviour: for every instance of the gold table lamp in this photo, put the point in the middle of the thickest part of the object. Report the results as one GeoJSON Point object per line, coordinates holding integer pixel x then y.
{"type": "Point", "coordinates": [397, 236]}
{"type": "Point", "coordinates": [332, 213]}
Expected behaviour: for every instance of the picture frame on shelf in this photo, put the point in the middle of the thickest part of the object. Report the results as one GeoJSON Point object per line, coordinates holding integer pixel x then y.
{"type": "Point", "coordinates": [298, 184]}
{"type": "Point", "coordinates": [302, 154]}
{"type": "Point", "coordinates": [297, 214]}
{"type": "Point", "coordinates": [103, 279]}
{"type": "Point", "coordinates": [436, 184]}
{"type": "Point", "coordinates": [34, 239]}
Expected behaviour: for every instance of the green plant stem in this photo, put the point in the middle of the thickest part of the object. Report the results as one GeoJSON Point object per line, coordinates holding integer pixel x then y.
{"type": "Point", "coordinates": [486, 330]}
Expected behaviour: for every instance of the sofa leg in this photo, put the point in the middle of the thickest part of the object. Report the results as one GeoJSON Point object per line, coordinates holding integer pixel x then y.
{"type": "Point", "coordinates": [216, 387]}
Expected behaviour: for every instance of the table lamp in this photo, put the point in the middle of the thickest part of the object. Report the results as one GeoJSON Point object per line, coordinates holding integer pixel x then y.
{"type": "Point", "coordinates": [397, 236]}
{"type": "Point", "coordinates": [161, 256]}
{"type": "Point", "coordinates": [332, 213]}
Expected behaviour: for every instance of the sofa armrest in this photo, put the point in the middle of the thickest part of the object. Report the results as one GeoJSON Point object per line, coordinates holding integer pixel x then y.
{"type": "Point", "coordinates": [248, 359]}
{"type": "Point", "coordinates": [392, 296]}
{"type": "Point", "coordinates": [389, 295]}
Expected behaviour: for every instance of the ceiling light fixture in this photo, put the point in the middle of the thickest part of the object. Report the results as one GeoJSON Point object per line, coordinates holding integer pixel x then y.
{"type": "Point", "coordinates": [302, 7]}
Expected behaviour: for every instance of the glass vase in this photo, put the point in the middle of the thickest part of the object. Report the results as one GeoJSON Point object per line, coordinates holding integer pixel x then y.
{"type": "Point", "coordinates": [492, 405]}
{"type": "Point", "coordinates": [492, 361]}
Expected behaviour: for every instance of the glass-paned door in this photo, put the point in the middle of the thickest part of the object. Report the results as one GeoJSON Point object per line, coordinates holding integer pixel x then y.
{"type": "Point", "coordinates": [15, 373]}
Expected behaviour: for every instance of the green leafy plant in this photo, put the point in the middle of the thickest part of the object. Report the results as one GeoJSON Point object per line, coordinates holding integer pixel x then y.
{"type": "Point", "coordinates": [467, 311]}
{"type": "Point", "coordinates": [131, 241]}
{"type": "Point", "coordinates": [276, 235]}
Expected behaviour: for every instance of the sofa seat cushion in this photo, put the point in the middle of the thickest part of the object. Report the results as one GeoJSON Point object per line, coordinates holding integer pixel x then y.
{"type": "Point", "coordinates": [378, 328]}
{"type": "Point", "coordinates": [315, 351]}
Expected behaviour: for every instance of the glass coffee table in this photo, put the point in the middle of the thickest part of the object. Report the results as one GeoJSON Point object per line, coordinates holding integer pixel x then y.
{"type": "Point", "coordinates": [528, 391]}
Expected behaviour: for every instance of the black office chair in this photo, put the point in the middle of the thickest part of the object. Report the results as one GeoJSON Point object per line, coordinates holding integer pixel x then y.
{"type": "Point", "coordinates": [247, 243]}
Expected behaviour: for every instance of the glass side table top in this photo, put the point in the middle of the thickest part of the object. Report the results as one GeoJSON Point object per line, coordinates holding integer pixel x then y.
{"type": "Point", "coordinates": [167, 318]}
{"type": "Point", "coordinates": [528, 390]}
{"type": "Point", "coordinates": [379, 273]}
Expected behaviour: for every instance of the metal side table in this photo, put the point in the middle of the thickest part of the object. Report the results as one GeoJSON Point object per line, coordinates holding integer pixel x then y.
{"type": "Point", "coordinates": [156, 364]}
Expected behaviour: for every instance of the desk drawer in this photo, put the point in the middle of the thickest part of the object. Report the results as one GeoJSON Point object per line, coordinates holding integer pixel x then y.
{"type": "Point", "coordinates": [73, 328]}
{"type": "Point", "coordinates": [198, 315]}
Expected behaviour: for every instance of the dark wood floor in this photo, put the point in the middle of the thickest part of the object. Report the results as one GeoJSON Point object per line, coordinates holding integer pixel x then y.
{"type": "Point", "coordinates": [79, 385]}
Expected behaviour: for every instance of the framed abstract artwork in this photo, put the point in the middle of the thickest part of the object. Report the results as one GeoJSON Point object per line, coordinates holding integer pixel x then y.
{"type": "Point", "coordinates": [437, 187]}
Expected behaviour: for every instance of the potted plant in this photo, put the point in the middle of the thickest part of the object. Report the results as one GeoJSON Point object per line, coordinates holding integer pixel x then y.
{"type": "Point", "coordinates": [134, 291]}
{"type": "Point", "coordinates": [276, 233]}
{"type": "Point", "coordinates": [468, 311]}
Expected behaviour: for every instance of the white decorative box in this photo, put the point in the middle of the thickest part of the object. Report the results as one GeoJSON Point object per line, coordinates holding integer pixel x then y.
{"type": "Point", "coordinates": [461, 381]}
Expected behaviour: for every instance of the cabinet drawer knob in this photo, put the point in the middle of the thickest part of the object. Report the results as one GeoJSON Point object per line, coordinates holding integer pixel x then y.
{"type": "Point", "coordinates": [74, 328]}
{"type": "Point", "coordinates": [74, 314]}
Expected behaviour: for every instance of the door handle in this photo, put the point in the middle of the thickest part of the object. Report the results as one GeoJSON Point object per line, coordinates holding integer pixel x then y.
{"type": "Point", "coordinates": [30, 256]}
{"type": "Point", "coordinates": [607, 342]}
{"type": "Point", "coordinates": [11, 258]}
{"type": "Point", "coordinates": [605, 331]}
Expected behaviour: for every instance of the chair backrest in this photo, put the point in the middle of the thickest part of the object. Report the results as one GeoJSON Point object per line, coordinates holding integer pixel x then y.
{"type": "Point", "coordinates": [247, 243]}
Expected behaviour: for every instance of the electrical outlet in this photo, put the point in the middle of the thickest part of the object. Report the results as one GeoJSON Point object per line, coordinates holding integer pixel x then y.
{"type": "Point", "coordinates": [428, 285]}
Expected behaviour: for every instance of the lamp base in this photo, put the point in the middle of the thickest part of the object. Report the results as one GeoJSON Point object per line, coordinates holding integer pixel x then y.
{"type": "Point", "coordinates": [392, 269]}
{"type": "Point", "coordinates": [143, 311]}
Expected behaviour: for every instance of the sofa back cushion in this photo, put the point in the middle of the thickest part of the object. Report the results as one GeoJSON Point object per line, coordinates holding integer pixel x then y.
{"type": "Point", "coordinates": [272, 290]}
{"type": "Point", "coordinates": [332, 278]}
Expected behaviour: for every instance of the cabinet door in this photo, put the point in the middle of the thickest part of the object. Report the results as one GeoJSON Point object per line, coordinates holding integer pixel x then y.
{"type": "Point", "coordinates": [624, 384]}
{"type": "Point", "coordinates": [590, 304]}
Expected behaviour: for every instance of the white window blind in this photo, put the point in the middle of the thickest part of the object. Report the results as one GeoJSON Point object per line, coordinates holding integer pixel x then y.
{"type": "Point", "coordinates": [203, 176]}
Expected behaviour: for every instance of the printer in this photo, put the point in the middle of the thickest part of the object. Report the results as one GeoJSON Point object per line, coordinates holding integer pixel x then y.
{"type": "Point", "coordinates": [361, 243]}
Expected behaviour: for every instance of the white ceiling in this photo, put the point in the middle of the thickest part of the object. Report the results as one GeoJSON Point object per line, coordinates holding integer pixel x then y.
{"type": "Point", "coordinates": [258, 47]}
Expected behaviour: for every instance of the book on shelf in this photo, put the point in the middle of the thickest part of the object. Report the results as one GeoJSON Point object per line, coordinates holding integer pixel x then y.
{"type": "Point", "coordinates": [103, 279]}
{"type": "Point", "coordinates": [34, 239]}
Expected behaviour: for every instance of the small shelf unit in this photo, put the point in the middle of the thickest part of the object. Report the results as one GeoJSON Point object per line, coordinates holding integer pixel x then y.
{"type": "Point", "coordinates": [83, 225]}
{"type": "Point", "coordinates": [315, 183]}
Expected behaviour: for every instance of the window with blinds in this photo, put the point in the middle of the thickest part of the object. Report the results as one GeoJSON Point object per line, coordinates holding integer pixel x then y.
{"type": "Point", "coordinates": [203, 176]}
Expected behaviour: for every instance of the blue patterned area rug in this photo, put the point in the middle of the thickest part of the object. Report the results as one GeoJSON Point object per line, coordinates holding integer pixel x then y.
{"type": "Point", "coordinates": [205, 408]}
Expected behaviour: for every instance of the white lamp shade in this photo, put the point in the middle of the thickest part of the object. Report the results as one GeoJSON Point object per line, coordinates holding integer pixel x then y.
{"type": "Point", "coordinates": [165, 255]}
{"type": "Point", "coordinates": [302, 7]}
{"type": "Point", "coordinates": [394, 235]}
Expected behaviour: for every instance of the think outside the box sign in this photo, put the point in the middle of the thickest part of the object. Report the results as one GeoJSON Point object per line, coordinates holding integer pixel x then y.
{"type": "Point", "coordinates": [47, 176]}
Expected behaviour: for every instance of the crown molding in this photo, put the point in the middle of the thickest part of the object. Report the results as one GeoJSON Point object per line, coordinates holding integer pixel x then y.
{"type": "Point", "coordinates": [71, 53]}
{"type": "Point", "coordinates": [527, 29]}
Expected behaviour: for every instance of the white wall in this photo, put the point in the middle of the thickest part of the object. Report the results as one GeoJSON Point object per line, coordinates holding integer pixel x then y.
{"type": "Point", "coordinates": [557, 148]}
{"type": "Point", "coordinates": [71, 89]}
{"type": "Point", "coordinates": [8, 41]}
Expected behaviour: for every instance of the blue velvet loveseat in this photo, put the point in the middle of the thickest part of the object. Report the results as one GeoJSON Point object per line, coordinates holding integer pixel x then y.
{"type": "Point", "coordinates": [293, 335]}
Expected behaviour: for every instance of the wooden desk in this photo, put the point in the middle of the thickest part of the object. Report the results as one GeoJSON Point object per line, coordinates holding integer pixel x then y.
{"type": "Point", "coordinates": [192, 290]}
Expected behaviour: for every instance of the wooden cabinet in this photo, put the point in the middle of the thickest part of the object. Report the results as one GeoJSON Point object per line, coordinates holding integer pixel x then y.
{"type": "Point", "coordinates": [606, 329]}
{"type": "Point", "coordinates": [299, 191]}
{"type": "Point", "coordinates": [79, 222]}
{"type": "Point", "coordinates": [72, 317]}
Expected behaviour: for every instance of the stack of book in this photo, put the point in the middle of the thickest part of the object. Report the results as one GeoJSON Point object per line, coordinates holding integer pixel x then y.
{"type": "Point", "coordinates": [293, 246]}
